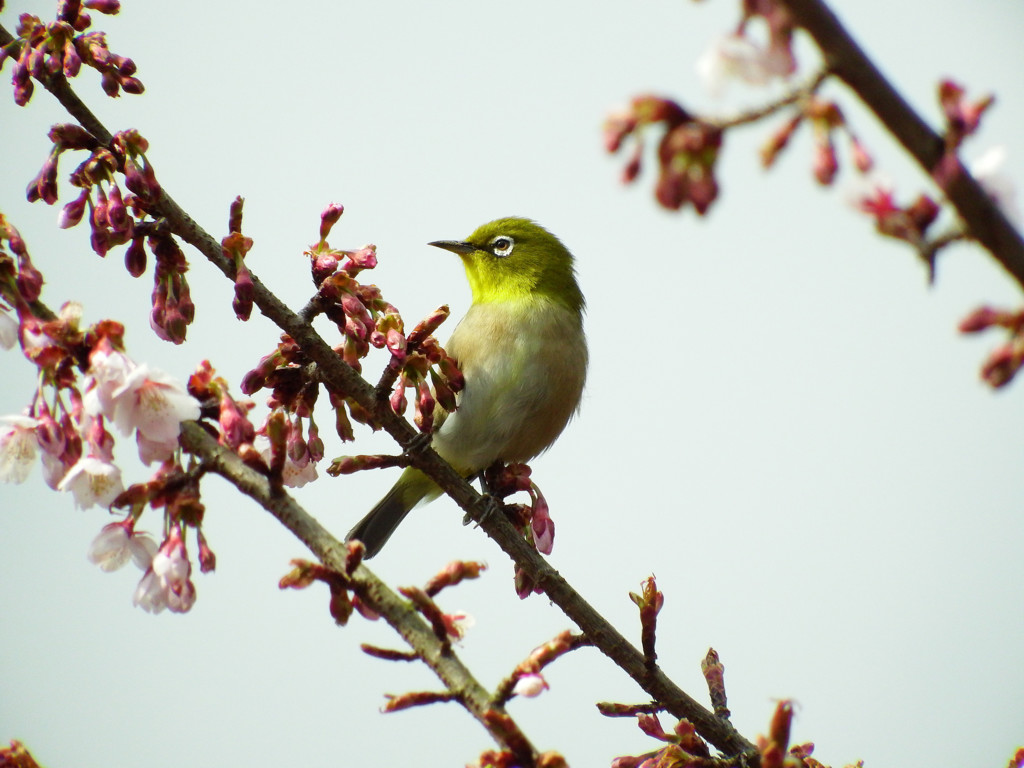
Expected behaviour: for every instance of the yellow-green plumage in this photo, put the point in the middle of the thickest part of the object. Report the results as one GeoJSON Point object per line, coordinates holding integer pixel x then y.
{"type": "Point", "coordinates": [523, 353]}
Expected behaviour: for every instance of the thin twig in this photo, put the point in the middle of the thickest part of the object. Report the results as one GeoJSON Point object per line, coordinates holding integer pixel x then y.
{"type": "Point", "coordinates": [794, 96]}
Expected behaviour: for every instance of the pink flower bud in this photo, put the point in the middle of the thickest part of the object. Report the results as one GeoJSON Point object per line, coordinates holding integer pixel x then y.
{"type": "Point", "coordinates": [110, 7]}
{"type": "Point", "coordinates": [364, 258]}
{"type": "Point", "coordinates": [779, 140]}
{"type": "Point", "coordinates": [424, 418]}
{"type": "Point", "coordinates": [22, 81]}
{"type": "Point", "coordinates": [670, 190]}
{"type": "Point", "coordinates": [862, 160]}
{"type": "Point", "coordinates": [1002, 365]}
{"type": "Point", "coordinates": [650, 725]}
{"type": "Point", "coordinates": [68, 10]}
{"type": "Point", "coordinates": [29, 280]}
{"type": "Point", "coordinates": [125, 66]}
{"type": "Point", "coordinates": [117, 214]}
{"type": "Point", "coordinates": [543, 526]}
{"type": "Point", "coordinates": [396, 343]}
{"type": "Point", "coordinates": [132, 85]}
{"type": "Point", "coordinates": [234, 424]}
{"type": "Point", "coordinates": [922, 212]}
{"type": "Point", "coordinates": [702, 191]}
{"type": "Point", "coordinates": [99, 241]}
{"type": "Point", "coordinates": [398, 401]}
{"type": "Point", "coordinates": [529, 685]}
{"type": "Point", "coordinates": [979, 320]}
{"type": "Point", "coordinates": [72, 213]}
{"type": "Point", "coordinates": [825, 164]}
{"type": "Point", "coordinates": [329, 218]}
{"type": "Point", "coordinates": [324, 264]}
{"type": "Point", "coordinates": [244, 292]}
{"type": "Point", "coordinates": [71, 136]}
{"type": "Point", "coordinates": [207, 560]}
{"type": "Point", "coordinates": [72, 61]}
{"type": "Point", "coordinates": [135, 257]}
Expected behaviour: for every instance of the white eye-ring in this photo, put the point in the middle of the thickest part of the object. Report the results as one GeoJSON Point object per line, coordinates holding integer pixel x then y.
{"type": "Point", "coordinates": [502, 245]}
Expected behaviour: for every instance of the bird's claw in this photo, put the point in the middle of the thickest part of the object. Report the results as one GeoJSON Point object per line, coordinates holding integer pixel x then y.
{"type": "Point", "coordinates": [491, 506]}
{"type": "Point", "coordinates": [418, 443]}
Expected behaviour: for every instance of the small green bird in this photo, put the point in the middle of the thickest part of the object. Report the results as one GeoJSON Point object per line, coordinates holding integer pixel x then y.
{"type": "Point", "coordinates": [523, 353]}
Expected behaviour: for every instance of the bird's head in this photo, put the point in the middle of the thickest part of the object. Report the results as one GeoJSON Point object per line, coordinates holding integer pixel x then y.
{"type": "Point", "coordinates": [513, 258]}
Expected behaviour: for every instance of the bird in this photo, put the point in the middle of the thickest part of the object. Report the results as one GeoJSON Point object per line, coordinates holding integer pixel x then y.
{"type": "Point", "coordinates": [522, 351]}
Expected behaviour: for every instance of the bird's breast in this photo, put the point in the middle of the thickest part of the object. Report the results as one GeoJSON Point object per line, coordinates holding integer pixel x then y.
{"type": "Point", "coordinates": [525, 365]}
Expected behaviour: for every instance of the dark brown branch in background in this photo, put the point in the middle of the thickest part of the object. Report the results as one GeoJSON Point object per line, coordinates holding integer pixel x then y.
{"type": "Point", "coordinates": [339, 377]}
{"type": "Point", "coordinates": [846, 60]}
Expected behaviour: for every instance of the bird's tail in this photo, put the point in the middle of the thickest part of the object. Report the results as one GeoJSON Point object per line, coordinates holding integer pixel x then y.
{"type": "Point", "coordinates": [380, 522]}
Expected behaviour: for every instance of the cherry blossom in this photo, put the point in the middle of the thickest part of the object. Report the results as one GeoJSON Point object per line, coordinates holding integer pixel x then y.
{"type": "Point", "coordinates": [456, 624]}
{"type": "Point", "coordinates": [18, 446]}
{"type": "Point", "coordinates": [154, 403]}
{"type": "Point", "coordinates": [117, 543]}
{"type": "Point", "coordinates": [294, 474]}
{"type": "Point", "coordinates": [92, 481]}
{"type": "Point", "coordinates": [735, 57]}
{"type": "Point", "coordinates": [108, 370]}
{"type": "Point", "coordinates": [154, 451]}
{"type": "Point", "coordinates": [167, 582]}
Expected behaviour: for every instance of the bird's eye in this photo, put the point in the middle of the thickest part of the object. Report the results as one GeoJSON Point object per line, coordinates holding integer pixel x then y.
{"type": "Point", "coordinates": [502, 246]}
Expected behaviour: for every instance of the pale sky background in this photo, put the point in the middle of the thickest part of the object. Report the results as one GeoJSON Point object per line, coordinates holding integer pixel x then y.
{"type": "Point", "coordinates": [781, 421]}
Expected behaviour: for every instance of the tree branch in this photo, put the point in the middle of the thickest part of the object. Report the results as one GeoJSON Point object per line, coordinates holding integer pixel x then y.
{"type": "Point", "coordinates": [845, 59]}
{"type": "Point", "coordinates": [342, 378]}
{"type": "Point", "coordinates": [436, 654]}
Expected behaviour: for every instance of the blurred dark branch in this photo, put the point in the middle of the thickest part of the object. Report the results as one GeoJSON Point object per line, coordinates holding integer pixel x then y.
{"type": "Point", "coordinates": [846, 60]}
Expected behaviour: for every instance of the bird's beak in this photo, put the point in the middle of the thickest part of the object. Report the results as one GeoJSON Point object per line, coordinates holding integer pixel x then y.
{"type": "Point", "coordinates": [455, 246]}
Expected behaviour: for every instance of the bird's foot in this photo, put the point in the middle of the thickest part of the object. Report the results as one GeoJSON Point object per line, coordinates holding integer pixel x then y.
{"type": "Point", "coordinates": [492, 505]}
{"type": "Point", "coordinates": [420, 442]}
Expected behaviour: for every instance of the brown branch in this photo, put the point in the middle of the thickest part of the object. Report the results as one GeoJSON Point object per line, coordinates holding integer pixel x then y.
{"type": "Point", "coordinates": [342, 378]}
{"type": "Point", "coordinates": [420, 636]}
{"type": "Point", "coordinates": [845, 59]}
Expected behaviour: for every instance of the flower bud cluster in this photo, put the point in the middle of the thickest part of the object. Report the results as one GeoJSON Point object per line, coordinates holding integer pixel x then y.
{"type": "Point", "coordinates": [289, 449]}
{"type": "Point", "coordinates": [45, 49]}
{"type": "Point", "coordinates": [117, 217]}
{"type": "Point", "coordinates": [826, 120]}
{"type": "Point", "coordinates": [173, 310]}
{"type": "Point", "coordinates": [1006, 360]}
{"type": "Point", "coordinates": [963, 118]}
{"type": "Point", "coordinates": [686, 153]}
{"type": "Point", "coordinates": [20, 281]}
{"type": "Point", "coordinates": [235, 246]}
{"type": "Point", "coordinates": [683, 745]}
{"type": "Point", "coordinates": [114, 216]}
{"type": "Point", "coordinates": [903, 222]}
{"type": "Point", "coordinates": [428, 371]}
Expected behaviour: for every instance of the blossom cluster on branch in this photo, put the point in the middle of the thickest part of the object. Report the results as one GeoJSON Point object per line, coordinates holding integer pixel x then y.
{"type": "Point", "coordinates": [689, 147]}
